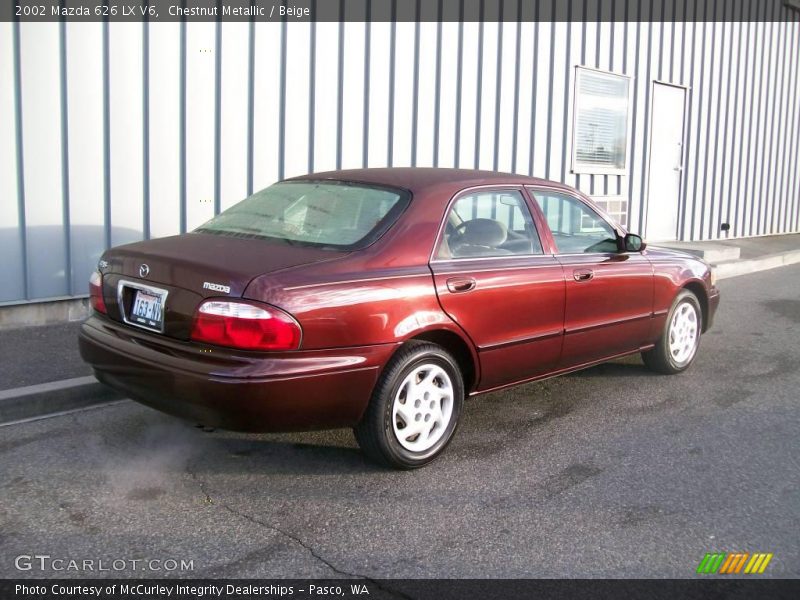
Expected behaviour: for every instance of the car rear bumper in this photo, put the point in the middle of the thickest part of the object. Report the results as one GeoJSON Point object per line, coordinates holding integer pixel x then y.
{"type": "Point", "coordinates": [240, 391]}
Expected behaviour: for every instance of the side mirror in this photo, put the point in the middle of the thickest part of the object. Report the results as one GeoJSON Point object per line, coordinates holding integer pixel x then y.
{"type": "Point", "coordinates": [633, 243]}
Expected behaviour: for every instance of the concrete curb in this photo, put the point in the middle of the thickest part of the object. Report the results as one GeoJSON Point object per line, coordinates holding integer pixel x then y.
{"type": "Point", "coordinates": [56, 397]}
{"type": "Point", "coordinates": [735, 268]}
{"type": "Point", "coordinates": [66, 310]}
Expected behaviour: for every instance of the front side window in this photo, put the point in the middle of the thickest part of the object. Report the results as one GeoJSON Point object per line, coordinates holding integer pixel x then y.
{"type": "Point", "coordinates": [600, 130]}
{"type": "Point", "coordinates": [490, 223]}
{"type": "Point", "coordinates": [576, 228]}
{"type": "Point", "coordinates": [332, 214]}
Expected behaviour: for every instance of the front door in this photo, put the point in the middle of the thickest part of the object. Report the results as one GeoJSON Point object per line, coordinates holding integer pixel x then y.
{"type": "Point", "coordinates": [494, 280]}
{"type": "Point", "coordinates": [609, 294]}
{"type": "Point", "coordinates": [666, 162]}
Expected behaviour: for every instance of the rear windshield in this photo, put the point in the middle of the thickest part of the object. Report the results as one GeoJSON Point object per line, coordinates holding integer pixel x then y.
{"type": "Point", "coordinates": [333, 214]}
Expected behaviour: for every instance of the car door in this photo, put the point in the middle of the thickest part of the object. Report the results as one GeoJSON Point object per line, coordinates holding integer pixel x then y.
{"type": "Point", "coordinates": [609, 294]}
{"type": "Point", "coordinates": [494, 280]}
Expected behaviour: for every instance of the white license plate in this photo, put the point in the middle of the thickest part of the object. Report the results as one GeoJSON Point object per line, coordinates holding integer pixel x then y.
{"type": "Point", "coordinates": [147, 310]}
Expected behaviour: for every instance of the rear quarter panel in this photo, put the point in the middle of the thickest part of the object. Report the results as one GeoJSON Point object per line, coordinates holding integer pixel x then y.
{"type": "Point", "coordinates": [351, 308]}
{"type": "Point", "coordinates": [382, 294]}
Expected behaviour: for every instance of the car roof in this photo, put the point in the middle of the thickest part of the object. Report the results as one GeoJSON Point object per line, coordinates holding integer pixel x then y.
{"type": "Point", "coordinates": [421, 179]}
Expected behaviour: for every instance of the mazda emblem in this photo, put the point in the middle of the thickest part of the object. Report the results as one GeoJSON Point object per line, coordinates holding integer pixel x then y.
{"type": "Point", "coordinates": [144, 270]}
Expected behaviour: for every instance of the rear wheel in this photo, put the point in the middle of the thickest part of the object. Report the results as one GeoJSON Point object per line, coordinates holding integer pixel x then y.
{"type": "Point", "coordinates": [676, 349]}
{"type": "Point", "coordinates": [414, 409]}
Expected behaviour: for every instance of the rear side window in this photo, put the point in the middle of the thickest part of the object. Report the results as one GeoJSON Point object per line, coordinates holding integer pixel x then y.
{"type": "Point", "coordinates": [491, 223]}
{"type": "Point", "coordinates": [340, 215]}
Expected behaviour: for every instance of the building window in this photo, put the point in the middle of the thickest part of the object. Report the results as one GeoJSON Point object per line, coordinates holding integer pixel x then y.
{"type": "Point", "coordinates": [600, 130]}
{"type": "Point", "coordinates": [615, 207]}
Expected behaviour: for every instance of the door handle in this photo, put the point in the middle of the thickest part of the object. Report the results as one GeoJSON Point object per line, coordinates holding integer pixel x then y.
{"type": "Point", "coordinates": [583, 274]}
{"type": "Point", "coordinates": [460, 284]}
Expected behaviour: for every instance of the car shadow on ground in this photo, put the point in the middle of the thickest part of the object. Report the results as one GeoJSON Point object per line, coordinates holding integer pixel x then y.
{"type": "Point", "coordinates": [141, 443]}
{"type": "Point", "coordinates": [630, 366]}
{"type": "Point", "coordinates": [335, 452]}
{"type": "Point", "coordinates": [321, 453]}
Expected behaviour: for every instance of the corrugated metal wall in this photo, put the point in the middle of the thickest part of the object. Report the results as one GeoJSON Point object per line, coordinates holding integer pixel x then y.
{"type": "Point", "coordinates": [114, 132]}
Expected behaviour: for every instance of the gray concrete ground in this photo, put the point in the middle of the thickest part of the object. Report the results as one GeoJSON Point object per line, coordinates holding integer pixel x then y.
{"type": "Point", "coordinates": [42, 354]}
{"type": "Point", "coordinates": [611, 472]}
{"type": "Point", "coordinates": [760, 246]}
{"type": "Point", "coordinates": [743, 248]}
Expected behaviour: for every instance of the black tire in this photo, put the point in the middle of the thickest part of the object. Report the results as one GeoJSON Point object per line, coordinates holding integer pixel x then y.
{"type": "Point", "coordinates": [659, 358]}
{"type": "Point", "coordinates": [375, 432]}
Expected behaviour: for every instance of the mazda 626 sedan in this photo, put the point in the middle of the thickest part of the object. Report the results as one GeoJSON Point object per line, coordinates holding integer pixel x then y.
{"type": "Point", "coordinates": [379, 299]}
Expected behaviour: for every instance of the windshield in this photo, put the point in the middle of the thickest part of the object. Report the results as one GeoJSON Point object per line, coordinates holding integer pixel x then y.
{"type": "Point", "coordinates": [331, 214]}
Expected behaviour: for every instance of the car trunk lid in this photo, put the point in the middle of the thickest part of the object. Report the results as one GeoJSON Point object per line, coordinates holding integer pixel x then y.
{"type": "Point", "coordinates": [188, 268]}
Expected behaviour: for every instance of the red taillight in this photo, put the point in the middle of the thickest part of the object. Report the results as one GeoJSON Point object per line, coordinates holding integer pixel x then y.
{"type": "Point", "coordinates": [245, 326]}
{"type": "Point", "coordinates": [96, 292]}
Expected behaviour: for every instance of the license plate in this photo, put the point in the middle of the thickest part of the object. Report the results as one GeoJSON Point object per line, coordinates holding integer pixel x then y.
{"type": "Point", "coordinates": [147, 310]}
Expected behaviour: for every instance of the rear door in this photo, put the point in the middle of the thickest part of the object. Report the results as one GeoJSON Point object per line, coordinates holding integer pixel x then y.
{"type": "Point", "coordinates": [494, 280]}
{"type": "Point", "coordinates": [609, 294]}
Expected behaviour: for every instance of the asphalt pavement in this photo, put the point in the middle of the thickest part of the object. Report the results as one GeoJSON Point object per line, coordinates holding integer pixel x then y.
{"type": "Point", "coordinates": [42, 354]}
{"type": "Point", "coordinates": [611, 472]}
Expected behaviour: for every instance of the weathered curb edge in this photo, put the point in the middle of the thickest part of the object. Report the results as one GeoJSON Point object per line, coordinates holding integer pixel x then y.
{"type": "Point", "coordinates": [56, 397]}
{"type": "Point", "coordinates": [735, 268]}
{"type": "Point", "coordinates": [50, 312]}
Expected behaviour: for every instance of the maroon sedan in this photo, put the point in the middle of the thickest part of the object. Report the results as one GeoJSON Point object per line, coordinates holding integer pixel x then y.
{"type": "Point", "coordinates": [378, 299]}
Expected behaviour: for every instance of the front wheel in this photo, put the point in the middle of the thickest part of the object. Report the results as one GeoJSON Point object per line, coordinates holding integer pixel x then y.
{"type": "Point", "coordinates": [414, 409]}
{"type": "Point", "coordinates": [677, 347]}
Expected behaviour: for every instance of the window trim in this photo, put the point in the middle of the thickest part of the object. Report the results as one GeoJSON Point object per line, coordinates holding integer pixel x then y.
{"type": "Point", "coordinates": [521, 188]}
{"type": "Point", "coordinates": [590, 168]}
{"type": "Point", "coordinates": [616, 227]}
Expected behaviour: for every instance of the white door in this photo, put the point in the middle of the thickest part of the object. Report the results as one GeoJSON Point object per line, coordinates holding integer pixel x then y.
{"type": "Point", "coordinates": [666, 160]}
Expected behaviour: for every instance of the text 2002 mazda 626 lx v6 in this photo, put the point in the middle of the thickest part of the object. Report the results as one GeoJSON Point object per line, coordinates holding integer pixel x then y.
{"type": "Point", "coordinates": [379, 298]}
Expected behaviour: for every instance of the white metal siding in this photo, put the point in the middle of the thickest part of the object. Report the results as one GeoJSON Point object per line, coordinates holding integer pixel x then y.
{"type": "Point", "coordinates": [115, 132]}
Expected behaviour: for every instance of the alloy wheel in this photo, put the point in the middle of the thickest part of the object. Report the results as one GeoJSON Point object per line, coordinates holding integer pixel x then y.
{"type": "Point", "coordinates": [422, 407]}
{"type": "Point", "coordinates": [683, 333]}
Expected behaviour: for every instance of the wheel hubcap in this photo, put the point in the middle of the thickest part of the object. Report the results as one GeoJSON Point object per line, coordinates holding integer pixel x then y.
{"type": "Point", "coordinates": [683, 333]}
{"type": "Point", "coordinates": [422, 408]}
